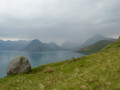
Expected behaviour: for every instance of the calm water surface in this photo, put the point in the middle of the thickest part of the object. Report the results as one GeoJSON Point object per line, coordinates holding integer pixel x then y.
{"type": "Point", "coordinates": [35, 58]}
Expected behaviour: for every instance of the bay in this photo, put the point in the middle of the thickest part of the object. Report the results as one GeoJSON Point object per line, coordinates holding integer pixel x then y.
{"type": "Point", "coordinates": [35, 58]}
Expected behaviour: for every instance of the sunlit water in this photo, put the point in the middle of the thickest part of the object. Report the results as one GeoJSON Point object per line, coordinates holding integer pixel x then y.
{"type": "Point", "coordinates": [35, 58]}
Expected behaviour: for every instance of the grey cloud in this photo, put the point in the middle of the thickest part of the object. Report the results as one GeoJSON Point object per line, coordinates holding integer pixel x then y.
{"type": "Point", "coordinates": [59, 20]}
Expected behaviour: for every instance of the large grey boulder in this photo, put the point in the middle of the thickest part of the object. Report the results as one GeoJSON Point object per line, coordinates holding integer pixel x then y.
{"type": "Point", "coordinates": [18, 65]}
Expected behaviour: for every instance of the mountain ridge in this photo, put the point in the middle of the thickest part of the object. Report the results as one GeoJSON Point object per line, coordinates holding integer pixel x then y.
{"type": "Point", "coordinates": [94, 47]}
{"type": "Point", "coordinates": [37, 45]}
{"type": "Point", "coordinates": [93, 40]}
{"type": "Point", "coordinates": [75, 46]}
{"type": "Point", "coordinates": [13, 45]}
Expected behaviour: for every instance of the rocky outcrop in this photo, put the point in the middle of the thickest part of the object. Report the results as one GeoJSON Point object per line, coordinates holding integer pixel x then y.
{"type": "Point", "coordinates": [18, 65]}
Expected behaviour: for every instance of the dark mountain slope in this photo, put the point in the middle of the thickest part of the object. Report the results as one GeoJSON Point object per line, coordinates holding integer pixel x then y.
{"type": "Point", "coordinates": [93, 40]}
{"type": "Point", "coordinates": [37, 45]}
{"type": "Point", "coordinates": [95, 47]}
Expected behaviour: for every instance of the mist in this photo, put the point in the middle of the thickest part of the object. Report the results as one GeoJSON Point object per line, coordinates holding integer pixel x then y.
{"type": "Point", "coordinates": [59, 21]}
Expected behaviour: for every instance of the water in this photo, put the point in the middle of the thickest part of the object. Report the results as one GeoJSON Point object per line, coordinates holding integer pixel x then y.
{"type": "Point", "coordinates": [35, 58]}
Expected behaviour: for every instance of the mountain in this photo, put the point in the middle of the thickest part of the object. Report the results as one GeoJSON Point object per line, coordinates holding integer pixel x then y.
{"type": "Point", "coordinates": [95, 47]}
{"type": "Point", "coordinates": [76, 46]}
{"type": "Point", "coordinates": [37, 45]}
{"type": "Point", "coordinates": [13, 45]}
{"type": "Point", "coordinates": [93, 40]}
{"type": "Point", "coordinates": [99, 71]}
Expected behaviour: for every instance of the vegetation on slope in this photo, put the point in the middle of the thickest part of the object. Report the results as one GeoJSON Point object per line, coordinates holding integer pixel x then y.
{"type": "Point", "coordinates": [95, 47]}
{"type": "Point", "coordinates": [100, 71]}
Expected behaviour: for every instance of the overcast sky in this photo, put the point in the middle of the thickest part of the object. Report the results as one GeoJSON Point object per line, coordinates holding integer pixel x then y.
{"type": "Point", "coordinates": [59, 20]}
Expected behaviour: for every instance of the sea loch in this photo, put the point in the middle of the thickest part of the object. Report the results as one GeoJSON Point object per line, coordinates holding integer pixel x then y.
{"type": "Point", "coordinates": [35, 58]}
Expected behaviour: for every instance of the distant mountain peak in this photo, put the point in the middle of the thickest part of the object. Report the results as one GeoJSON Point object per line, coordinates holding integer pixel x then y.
{"type": "Point", "coordinates": [36, 41]}
{"type": "Point", "coordinates": [94, 47]}
{"type": "Point", "coordinates": [37, 45]}
{"type": "Point", "coordinates": [94, 39]}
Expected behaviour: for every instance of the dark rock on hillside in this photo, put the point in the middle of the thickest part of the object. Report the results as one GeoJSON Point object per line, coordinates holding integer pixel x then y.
{"type": "Point", "coordinates": [18, 65]}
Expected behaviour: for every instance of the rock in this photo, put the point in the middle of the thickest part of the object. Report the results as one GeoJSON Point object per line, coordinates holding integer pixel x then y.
{"type": "Point", "coordinates": [18, 65]}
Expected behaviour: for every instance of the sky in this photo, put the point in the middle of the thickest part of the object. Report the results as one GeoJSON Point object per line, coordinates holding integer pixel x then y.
{"type": "Point", "coordinates": [58, 21]}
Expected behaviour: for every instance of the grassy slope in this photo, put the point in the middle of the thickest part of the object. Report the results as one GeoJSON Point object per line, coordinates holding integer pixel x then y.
{"type": "Point", "coordinates": [95, 47]}
{"type": "Point", "coordinates": [100, 71]}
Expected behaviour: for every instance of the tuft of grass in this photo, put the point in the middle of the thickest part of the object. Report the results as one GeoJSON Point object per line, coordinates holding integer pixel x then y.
{"type": "Point", "coordinates": [48, 70]}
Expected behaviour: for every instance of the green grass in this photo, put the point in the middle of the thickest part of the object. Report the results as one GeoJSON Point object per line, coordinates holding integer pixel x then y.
{"type": "Point", "coordinates": [95, 47]}
{"type": "Point", "coordinates": [100, 71]}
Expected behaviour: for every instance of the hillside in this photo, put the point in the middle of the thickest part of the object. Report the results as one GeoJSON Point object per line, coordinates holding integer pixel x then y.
{"type": "Point", "coordinates": [93, 40]}
{"type": "Point", "coordinates": [77, 46]}
{"type": "Point", "coordinates": [100, 71]}
{"type": "Point", "coordinates": [95, 47]}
